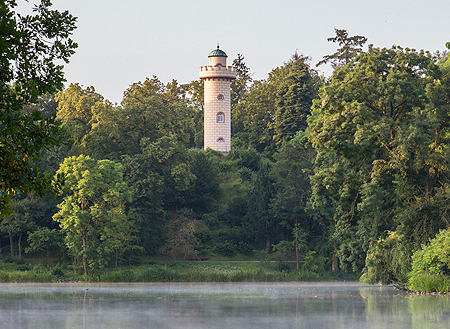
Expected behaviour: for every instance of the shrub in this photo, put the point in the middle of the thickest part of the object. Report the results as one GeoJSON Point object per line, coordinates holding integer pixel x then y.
{"type": "Point", "coordinates": [245, 173]}
{"type": "Point", "coordinates": [225, 247]}
{"type": "Point", "coordinates": [313, 263]}
{"type": "Point", "coordinates": [386, 260]}
{"type": "Point", "coordinates": [430, 265]}
{"type": "Point", "coordinates": [429, 283]}
{"type": "Point", "coordinates": [433, 258]}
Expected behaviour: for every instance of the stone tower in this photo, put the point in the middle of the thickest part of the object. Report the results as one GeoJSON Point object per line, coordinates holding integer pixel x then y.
{"type": "Point", "coordinates": [217, 77]}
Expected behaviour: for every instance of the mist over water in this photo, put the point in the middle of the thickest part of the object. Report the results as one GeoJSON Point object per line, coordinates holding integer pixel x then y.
{"type": "Point", "coordinates": [242, 305]}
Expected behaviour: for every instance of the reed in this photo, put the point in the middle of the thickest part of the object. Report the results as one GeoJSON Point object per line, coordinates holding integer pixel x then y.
{"type": "Point", "coordinates": [428, 283]}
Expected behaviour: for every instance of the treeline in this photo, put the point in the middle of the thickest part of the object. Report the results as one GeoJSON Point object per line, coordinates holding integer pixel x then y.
{"type": "Point", "coordinates": [351, 171]}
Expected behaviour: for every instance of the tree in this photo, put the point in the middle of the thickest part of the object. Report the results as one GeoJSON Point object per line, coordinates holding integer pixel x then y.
{"type": "Point", "coordinates": [350, 47]}
{"type": "Point", "coordinates": [203, 193]}
{"type": "Point", "coordinates": [92, 213]}
{"type": "Point", "coordinates": [258, 218]}
{"type": "Point", "coordinates": [291, 174]}
{"type": "Point", "coordinates": [253, 117]}
{"type": "Point", "coordinates": [45, 240]}
{"type": "Point", "coordinates": [30, 47]}
{"type": "Point", "coordinates": [296, 89]}
{"type": "Point", "coordinates": [153, 110]}
{"type": "Point", "coordinates": [240, 85]}
{"type": "Point", "coordinates": [274, 110]}
{"type": "Point", "coordinates": [182, 239]}
{"type": "Point", "coordinates": [381, 161]}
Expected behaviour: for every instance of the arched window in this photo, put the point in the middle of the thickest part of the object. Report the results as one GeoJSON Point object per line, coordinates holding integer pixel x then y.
{"type": "Point", "coordinates": [220, 139]}
{"type": "Point", "coordinates": [220, 117]}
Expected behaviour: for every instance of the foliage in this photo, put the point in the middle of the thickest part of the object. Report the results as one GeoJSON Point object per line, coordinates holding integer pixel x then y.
{"type": "Point", "coordinates": [182, 239]}
{"type": "Point", "coordinates": [45, 240]}
{"type": "Point", "coordinates": [275, 109]}
{"type": "Point", "coordinates": [92, 213]}
{"type": "Point", "coordinates": [380, 160]}
{"type": "Point", "coordinates": [240, 85]}
{"type": "Point", "coordinates": [203, 193]}
{"type": "Point", "coordinates": [433, 258]}
{"type": "Point", "coordinates": [350, 47]}
{"type": "Point", "coordinates": [313, 262]}
{"type": "Point", "coordinates": [428, 283]}
{"type": "Point", "coordinates": [296, 88]}
{"type": "Point", "coordinates": [291, 170]}
{"type": "Point", "coordinates": [258, 220]}
{"type": "Point", "coordinates": [30, 48]}
{"type": "Point", "coordinates": [386, 260]}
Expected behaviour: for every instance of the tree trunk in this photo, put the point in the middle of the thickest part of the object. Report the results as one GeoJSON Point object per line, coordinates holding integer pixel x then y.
{"type": "Point", "coordinates": [334, 262]}
{"type": "Point", "coordinates": [11, 243]}
{"type": "Point", "coordinates": [20, 245]}
{"type": "Point", "coordinates": [85, 267]}
{"type": "Point", "coordinates": [296, 253]}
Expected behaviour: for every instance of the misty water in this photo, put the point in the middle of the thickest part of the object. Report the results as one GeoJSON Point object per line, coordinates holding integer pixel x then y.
{"type": "Point", "coordinates": [241, 305]}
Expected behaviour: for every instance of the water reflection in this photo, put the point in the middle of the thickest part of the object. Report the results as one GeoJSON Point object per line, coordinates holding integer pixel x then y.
{"type": "Point", "coordinates": [221, 306]}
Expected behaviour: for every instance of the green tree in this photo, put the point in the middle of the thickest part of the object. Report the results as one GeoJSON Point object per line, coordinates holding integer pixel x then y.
{"type": "Point", "coordinates": [46, 240]}
{"type": "Point", "coordinates": [296, 89]}
{"type": "Point", "coordinates": [350, 47]}
{"type": "Point", "coordinates": [289, 206]}
{"type": "Point", "coordinates": [92, 213]}
{"type": "Point", "coordinates": [154, 110]}
{"type": "Point", "coordinates": [253, 117]}
{"type": "Point", "coordinates": [92, 123]}
{"type": "Point", "coordinates": [258, 219]}
{"type": "Point", "coordinates": [380, 142]}
{"type": "Point", "coordinates": [240, 85]}
{"type": "Point", "coordinates": [30, 48]}
{"type": "Point", "coordinates": [274, 110]}
{"type": "Point", "coordinates": [202, 195]}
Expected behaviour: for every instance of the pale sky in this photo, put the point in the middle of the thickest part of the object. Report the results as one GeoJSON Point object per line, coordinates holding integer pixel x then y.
{"type": "Point", "coordinates": [125, 41]}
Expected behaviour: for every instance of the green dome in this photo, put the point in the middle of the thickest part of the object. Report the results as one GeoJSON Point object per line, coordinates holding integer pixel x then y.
{"type": "Point", "coordinates": [217, 53]}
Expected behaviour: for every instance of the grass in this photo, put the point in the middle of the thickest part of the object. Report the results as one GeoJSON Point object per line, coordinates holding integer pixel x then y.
{"type": "Point", "coordinates": [161, 270]}
{"type": "Point", "coordinates": [427, 283]}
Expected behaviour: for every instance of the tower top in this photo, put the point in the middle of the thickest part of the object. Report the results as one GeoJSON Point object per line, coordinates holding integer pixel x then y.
{"type": "Point", "coordinates": [217, 53]}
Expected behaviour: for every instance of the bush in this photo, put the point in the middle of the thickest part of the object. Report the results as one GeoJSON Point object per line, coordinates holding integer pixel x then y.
{"type": "Point", "coordinates": [118, 276]}
{"type": "Point", "coordinates": [428, 283]}
{"type": "Point", "coordinates": [433, 258]}
{"type": "Point", "coordinates": [430, 265]}
{"type": "Point", "coordinates": [386, 260]}
{"type": "Point", "coordinates": [225, 247]}
{"type": "Point", "coordinates": [313, 263]}
{"type": "Point", "coordinates": [245, 173]}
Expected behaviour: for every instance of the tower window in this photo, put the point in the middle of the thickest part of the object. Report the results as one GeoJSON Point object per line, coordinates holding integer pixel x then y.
{"type": "Point", "coordinates": [220, 139]}
{"type": "Point", "coordinates": [220, 97]}
{"type": "Point", "coordinates": [220, 117]}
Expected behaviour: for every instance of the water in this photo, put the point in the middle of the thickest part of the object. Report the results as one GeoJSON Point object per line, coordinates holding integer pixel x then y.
{"type": "Point", "coordinates": [237, 306]}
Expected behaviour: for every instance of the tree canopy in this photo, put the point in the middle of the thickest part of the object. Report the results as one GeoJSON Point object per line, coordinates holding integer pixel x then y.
{"type": "Point", "coordinates": [30, 48]}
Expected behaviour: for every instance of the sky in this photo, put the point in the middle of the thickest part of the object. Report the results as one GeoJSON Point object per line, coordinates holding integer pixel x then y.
{"type": "Point", "coordinates": [125, 41]}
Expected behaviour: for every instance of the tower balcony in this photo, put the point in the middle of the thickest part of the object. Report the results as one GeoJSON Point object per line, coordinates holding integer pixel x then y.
{"type": "Point", "coordinates": [228, 72]}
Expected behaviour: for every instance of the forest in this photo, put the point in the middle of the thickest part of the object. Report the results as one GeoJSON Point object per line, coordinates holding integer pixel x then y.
{"type": "Point", "coordinates": [348, 173]}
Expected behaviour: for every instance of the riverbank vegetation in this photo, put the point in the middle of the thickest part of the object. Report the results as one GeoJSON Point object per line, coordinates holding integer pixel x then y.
{"type": "Point", "coordinates": [164, 270]}
{"type": "Point", "coordinates": [347, 174]}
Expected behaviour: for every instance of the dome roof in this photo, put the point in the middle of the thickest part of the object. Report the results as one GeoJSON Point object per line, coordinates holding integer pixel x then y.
{"type": "Point", "coordinates": [217, 53]}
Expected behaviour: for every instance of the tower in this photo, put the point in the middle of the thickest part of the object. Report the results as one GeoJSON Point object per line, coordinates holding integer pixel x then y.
{"type": "Point", "coordinates": [217, 77]}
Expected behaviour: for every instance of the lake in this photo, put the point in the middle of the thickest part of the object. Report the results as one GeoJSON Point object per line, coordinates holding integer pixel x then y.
{"type": "Point", "coordinates": [237, 306]}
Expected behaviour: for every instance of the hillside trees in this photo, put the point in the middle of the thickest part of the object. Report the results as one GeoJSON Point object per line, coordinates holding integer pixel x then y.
{"type": "Point", "coordinates": [150, 133]}
{"type": "Point", "coordinates": [258, 219]}
{"type": "Point", "coordinates": [30, 48]}
{"type": "Point", "coordinates": [275, 109]}
{"type": "Point", "coordinates": [381, 151]}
